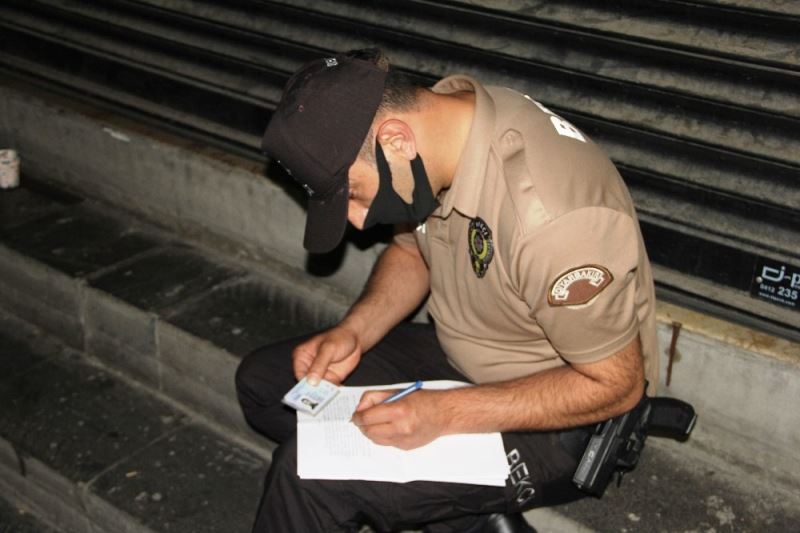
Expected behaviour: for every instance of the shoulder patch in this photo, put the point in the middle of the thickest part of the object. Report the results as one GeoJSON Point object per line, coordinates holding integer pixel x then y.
{"type": "Point", "coordinates": [579, 285]}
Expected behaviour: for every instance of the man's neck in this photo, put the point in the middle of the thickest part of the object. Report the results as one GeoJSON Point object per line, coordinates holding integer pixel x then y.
{"type": "Point", "coordinates": [446, 120]}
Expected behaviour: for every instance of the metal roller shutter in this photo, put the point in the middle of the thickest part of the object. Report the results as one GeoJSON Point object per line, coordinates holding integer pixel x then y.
{"type": "Point", "coordinates": [695, 101]}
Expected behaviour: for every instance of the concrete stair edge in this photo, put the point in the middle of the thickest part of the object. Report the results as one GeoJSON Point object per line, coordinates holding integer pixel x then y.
{"type": "Point", "coordinates": [208, 391]}
{"type": "Point", "coordinates": [248, 215]}
{"type": "Point", "coordinates": [72, 504]}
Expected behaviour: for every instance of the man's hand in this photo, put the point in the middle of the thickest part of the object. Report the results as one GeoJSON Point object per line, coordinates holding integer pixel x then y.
{"type": "Point", "coordinates": [331, 355]}
{"type": "Point", "coordinates": [408, 423]}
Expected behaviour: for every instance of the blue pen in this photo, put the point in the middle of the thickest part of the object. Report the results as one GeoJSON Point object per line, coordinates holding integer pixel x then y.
{"type": "Point", "coordinates": [403, 393]}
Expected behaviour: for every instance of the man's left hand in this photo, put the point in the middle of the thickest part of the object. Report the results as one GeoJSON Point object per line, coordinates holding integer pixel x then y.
{"type": "Point", "coordinates": [407, 423]}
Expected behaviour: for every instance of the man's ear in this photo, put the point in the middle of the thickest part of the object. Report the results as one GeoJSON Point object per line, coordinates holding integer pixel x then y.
{"type": "Point", "coordinates": [397, 136]}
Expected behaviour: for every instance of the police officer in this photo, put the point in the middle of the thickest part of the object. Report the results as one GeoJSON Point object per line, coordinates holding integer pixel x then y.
{"type": "Point", "coordinates": [524, 237]}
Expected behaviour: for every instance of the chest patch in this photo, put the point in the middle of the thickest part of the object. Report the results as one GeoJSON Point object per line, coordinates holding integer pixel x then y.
{"type": "Point", "coordinates": [579, 285]}
{"type": "Point", "coordinates": [481, 247]}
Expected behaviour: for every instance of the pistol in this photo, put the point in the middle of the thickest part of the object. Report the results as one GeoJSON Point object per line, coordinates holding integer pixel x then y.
{"type": "Point", "coordinates": [617, 444]}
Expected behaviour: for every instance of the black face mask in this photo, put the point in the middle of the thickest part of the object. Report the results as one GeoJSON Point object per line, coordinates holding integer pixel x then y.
{"type": "Point", "coordinates": [388, 207]}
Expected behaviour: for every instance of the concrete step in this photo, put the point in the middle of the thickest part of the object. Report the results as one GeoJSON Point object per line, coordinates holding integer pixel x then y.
{"type": "Point", "coordinates": [175, 318]}
{"type": "Point", "coordinates": [87, 451]}
{"type": "Point", "coordinates": [18, 519]}
{"type": "Point", "coordinates": [170, 316]}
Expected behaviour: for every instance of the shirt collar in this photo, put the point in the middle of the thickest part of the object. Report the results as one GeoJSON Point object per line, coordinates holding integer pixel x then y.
{"type": "Point", "coordinates": [465, 189]}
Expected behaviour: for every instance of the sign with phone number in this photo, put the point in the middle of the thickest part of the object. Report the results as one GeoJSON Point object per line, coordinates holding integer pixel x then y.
{"type": "Point", "coordinates": [777, 282]}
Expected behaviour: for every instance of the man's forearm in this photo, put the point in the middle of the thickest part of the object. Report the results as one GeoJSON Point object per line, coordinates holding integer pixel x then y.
{"type": "Point", "coordinates": [553, 399]}
{"type": "Point", "coordinates": [397, 285]}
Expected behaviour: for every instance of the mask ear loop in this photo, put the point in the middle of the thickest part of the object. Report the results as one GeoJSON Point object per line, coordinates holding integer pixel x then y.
{"type": "Point", "coordinates": [421, 183]}
{"type": "Point", "coordinates": [387, 177]}
{"type": "Point", "coordinates": [384, 181]}
{"type": "Point", "coordinates": [389, 205]}
{"type": "Point", "coordinates": [384, 170]}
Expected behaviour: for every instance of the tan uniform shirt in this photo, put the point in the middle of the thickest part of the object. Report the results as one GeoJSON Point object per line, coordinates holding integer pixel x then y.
{"type": "Point", "coordinates": [535, 254]}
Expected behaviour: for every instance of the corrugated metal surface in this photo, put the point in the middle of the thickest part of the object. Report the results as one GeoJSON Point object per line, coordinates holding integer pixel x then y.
{"type": "Point", "coordinates": [696, 101]}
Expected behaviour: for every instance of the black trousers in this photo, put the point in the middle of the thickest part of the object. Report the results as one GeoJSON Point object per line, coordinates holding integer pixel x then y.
{"type": "Point", "coordinates": [542, 463]}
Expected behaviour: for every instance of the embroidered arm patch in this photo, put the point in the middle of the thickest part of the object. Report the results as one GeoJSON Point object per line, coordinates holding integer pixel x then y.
{"type": "Point", "coordinates": [579, 285]}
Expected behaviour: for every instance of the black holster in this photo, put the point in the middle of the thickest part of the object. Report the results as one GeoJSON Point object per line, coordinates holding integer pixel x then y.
{"type": "Point", "coordinates": [616, 444]}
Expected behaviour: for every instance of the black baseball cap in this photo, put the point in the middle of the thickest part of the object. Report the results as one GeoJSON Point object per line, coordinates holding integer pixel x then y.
{"type": "Point", "coordinates": [316, 132]}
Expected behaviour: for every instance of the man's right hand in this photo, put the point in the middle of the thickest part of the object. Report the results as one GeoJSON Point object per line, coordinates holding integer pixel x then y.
{"type": "Point", "coordinates": [331, 355]}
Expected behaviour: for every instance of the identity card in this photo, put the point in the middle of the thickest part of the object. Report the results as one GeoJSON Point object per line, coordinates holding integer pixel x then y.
{"type": "Point", "coordinates": [308, 398]}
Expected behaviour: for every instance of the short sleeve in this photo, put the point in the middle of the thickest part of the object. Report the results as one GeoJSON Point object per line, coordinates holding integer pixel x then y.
{"type": "Point", "coordinates": [577, 274]}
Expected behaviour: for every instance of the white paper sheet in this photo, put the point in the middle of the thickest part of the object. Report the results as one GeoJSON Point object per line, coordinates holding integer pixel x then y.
{"type": "Point", "coordinates": [332, 447]}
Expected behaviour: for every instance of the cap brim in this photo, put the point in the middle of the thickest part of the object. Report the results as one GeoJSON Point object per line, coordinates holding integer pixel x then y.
{"type": "Point", "coordinates": [326, 221]}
